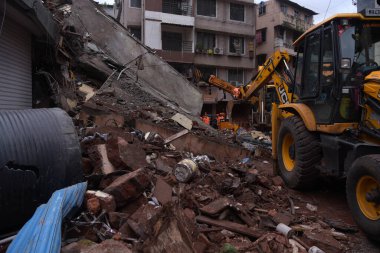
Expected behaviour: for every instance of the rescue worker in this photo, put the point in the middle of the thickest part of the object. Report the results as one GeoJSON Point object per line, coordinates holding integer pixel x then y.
{"type": "Point", "coordinates": [206, 119]}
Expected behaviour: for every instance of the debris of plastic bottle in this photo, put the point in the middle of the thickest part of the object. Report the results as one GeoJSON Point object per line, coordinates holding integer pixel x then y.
{"type": "Point", "coordinates": [285, 230]}
{"type": "Point", "coordinates": [311, 207]}
{"type": "Point", "coordinates": [185, 170]}
{"type": "Point", "coordinates": [315, 249]}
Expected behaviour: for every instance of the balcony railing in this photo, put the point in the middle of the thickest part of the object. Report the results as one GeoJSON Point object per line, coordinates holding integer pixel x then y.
{"type": "Point", "coordinates": [295, 23]}
{"type": "Point", "coordinates": [186, 47]}
{"type": "Point", "coordinates": [278, 42]}
{"type": "Point", "coordinates": [177, 7]}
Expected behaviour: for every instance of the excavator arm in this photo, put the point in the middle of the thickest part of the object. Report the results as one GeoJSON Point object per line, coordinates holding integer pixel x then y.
{"type": "Point", "coordinates": [275, 68]}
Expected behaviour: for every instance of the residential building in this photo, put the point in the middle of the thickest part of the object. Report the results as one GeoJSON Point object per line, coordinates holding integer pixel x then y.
{"type": "Point", "coordinates": [279, 24]}
{"type": "Point", "coordinates": [215, 36]}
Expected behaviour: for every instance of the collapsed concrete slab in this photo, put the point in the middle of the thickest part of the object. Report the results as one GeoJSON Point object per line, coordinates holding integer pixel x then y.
{"type": "Point", "coordinates": [152, 73]}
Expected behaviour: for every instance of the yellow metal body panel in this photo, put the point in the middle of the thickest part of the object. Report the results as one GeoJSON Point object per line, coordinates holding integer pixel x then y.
{"type": "Point", "coordinates": [304, 112]}
{"type": "Point", "coordinates": [372, 89]}
{"type": "Point", "coordinates": [265, 75]}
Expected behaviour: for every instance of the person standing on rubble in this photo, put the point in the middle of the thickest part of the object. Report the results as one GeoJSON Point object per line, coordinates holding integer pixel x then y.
{"type": "Point", "coordinates": [206, 119]}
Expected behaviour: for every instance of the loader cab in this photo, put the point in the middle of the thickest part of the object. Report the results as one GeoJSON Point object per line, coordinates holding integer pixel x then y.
{"type": "Point", "coordinates": [332, 60]}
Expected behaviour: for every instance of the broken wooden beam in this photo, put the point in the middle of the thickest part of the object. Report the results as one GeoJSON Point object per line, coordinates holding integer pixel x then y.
{"type": "Point", "coordinates": [175, 136]}
{"type": "Point", "coordinates": [231, 226]}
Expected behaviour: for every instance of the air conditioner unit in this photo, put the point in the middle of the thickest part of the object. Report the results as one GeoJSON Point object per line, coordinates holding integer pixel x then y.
{"type": "Point", "coordinates": [218, 50]}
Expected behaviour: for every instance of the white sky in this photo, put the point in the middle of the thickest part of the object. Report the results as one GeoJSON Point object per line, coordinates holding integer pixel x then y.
{"type": "Point", "coordinates": [319, 6]}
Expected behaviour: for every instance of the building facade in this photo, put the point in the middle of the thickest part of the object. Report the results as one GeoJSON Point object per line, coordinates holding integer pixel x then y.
{"type": "Point", "coordinates": [279, 24]}
{"type": "Point", "coordinates": [215, 36]}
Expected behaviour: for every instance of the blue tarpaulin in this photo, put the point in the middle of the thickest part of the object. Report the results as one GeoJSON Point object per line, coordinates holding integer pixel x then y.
{"type": "Point", "coordinates": [42, 233]}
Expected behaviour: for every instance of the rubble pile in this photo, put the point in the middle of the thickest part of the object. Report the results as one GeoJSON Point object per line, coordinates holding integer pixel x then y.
{"type": "Point", "coordinates": [159, 179]}
{"type": "Point", "coordinates": [145, 196]}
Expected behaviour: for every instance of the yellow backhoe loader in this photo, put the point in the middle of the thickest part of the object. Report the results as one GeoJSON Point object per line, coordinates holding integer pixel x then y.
{"type": "Point", "coordinates": [327, 121]}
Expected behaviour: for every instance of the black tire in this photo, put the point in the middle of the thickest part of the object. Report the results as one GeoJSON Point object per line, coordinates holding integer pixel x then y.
{"type": "Point", "coordinates": [306, 154]}
{"type": "Point", "coordinates": [368, 165]}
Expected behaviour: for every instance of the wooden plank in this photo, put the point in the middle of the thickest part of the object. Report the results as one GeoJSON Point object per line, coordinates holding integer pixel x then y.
{"type": "Point", "coordinates": [176, 136]}
{"type": "Point", "coordinates": [183, 121]}
{"type": "Point", "coordinates": [231, 226]}
{"type": "Point", "coordinates": [216, 206]}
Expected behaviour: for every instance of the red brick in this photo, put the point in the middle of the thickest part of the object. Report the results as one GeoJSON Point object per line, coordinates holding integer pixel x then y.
{"type": "Point", "coordinates": [163, 191]}
{"type": "Point", "coordinates": [93, 205]}
{"type": "Point", "coordinates": [128, 186]}
{"type": "Point", "coordinates": [277, 181]}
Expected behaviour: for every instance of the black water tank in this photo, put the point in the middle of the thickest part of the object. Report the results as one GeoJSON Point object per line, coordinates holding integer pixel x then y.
{"type": "Point", "coordinates": [39, 153]}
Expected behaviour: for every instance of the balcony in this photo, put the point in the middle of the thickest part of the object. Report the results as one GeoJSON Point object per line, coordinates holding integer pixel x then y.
{"type": "Point", "coordinates": [294, 23]}
{"type": "Point", "coordinates": [281, 45]}
{"type": "Point", "coordinates": [168, 18]}
{"type": "Point", "coordinates": [177, 7]}
{"type": "Point", "coordinates": [181, 52]}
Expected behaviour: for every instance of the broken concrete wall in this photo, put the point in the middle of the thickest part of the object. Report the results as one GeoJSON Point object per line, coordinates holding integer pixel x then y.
{"type": "Point", "coordinates": [156, 76]}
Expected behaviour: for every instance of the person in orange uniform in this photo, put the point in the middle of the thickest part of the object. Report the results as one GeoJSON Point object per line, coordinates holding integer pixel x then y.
{"type": "Point", "coordinates": [206, 119]}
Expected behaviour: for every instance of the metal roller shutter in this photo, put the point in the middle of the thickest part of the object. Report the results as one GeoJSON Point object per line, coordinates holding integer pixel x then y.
{"type": "Point", "coordinates": [15, 67]}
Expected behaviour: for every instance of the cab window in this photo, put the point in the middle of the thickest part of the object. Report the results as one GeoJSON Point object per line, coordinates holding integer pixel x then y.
{"type": "Point", "coordinates": [309, 88]}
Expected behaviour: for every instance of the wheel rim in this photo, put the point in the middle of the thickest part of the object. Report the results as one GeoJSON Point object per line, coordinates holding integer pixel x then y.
{"type": "Point", "coordinates": [288, 154]}
{"type": "Point", "coordinates": [365, 186]}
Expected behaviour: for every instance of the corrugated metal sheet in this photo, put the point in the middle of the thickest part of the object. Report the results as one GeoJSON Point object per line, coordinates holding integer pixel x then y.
{"type": "Point", "coordinates": [15, 67]}
{"type": "Point", "coordinates": [42, 233]}
{"type": "Point", "coordinates": [39, 153]}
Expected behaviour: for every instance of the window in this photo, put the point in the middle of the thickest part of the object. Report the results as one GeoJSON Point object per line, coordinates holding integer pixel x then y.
{"type": "Point", "coordinates": [171, 41]}
{"type": "Point", "coordinates": [236, 45]}
{"type": "Point", "coordinates": [284, 9]}
{"type": "Point", "coordinates": [261, 36]}
{"type": "Point", "coordinates": [299, 68]}
{"type": "Point", "coordinates": [135, 3]}
{"type": "Point", "coordinates": [178, 7]}
{"type": "Point", "coordinates": [327, 60]}
{"type": "Point", "coordinates": [264, 34]}
{"type": "Point", "coordinates": [236, 76]}
{"type": "Point", "coordinates": [237, 12]}
{"type": "Point", "coordinates": [307, 19]}
{"type": "Point", "coordinates": [296, 14]}
{"type": "Point", "coordinates": [326, 79]}
{"type": "Point", "coordinates": [311, 68]}
{"type": "Point", "coordinates": [206, 8]}
{"type": "Point", "coordinates": [205, 41]}
{"type": "Point", "coordinates": [136, 31]}
{"type": "Point", "coordinates": [262, 8]}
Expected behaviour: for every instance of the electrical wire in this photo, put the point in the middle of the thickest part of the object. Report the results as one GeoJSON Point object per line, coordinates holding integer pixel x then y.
{"type": "Point", "coordinates": [3, 20]}
{"type": "Point", "coordinates": [328, 6]}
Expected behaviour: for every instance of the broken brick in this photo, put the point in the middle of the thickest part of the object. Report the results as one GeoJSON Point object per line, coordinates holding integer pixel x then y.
{"type": "Point", "coordinates": [128, 186]}
{"type": "Point", "coordinates": [322, 239]}
{"type": "Point", "coordinates": [277, 181]}
{"type": "Point", "coordinates": [132, 154]}
{"type": "Point", "coordinates": [116, 219]}
{"type": "Point", "coordinates": [93, 205]}
{"type": "Point", "coordinates": [163, 191]}
{"type": "Point", "coordinates": [108, 246]}
{"type": "Point", "coordinates": [107, 201]}
{"type": "Point", "coordinates": [216, 206]}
